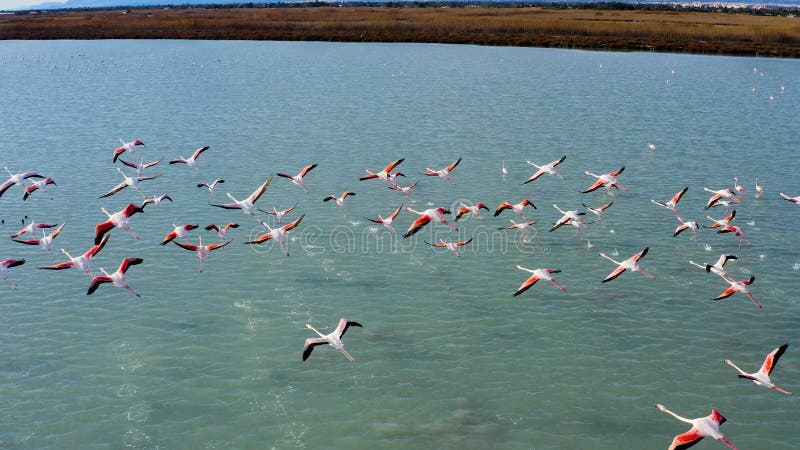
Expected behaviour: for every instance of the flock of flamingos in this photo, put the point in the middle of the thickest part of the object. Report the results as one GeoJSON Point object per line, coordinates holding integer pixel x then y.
{"type": "Point", "coordinates": [700, 427]}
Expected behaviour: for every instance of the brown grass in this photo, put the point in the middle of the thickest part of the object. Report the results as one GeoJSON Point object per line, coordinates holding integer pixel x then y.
{"type": "Point", "coordinates": [699, 32]}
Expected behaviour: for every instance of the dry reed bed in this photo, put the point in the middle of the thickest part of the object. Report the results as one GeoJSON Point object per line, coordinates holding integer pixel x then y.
{"type": "Point", "coordinates": [669, 31]}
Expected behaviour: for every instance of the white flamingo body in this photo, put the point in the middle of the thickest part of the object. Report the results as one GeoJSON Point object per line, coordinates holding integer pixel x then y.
{"type": "Point", "coordinates": [117, 278]}
{"type": "Point", "coordinates": [278, 234]}
{"type": "Point", "coordinates": [81, 262]}
{"type": "Point", "coordinates": [701, 427]}
{"type": "Point", "coordinates": [192, 160]}
{"type": "Point", "coordinates": [762, 377]}
{"type": "Point", "coordinates": [119, 219]}
{"type": "Point", "coordinates": [536, 275]}
{"type": "Point", "coordinates": [298, 179]}
{"type": "Point", "coordinates": [429, 215]}
{"type": "Point", "coordinates": [443, 173]}
{"type": "Point", "coordinates": [516, 207]}
{"type": "Point", "coordinates": [450, 245]}
{"type": "Point", "coordinates": [795, 200]}
{"type": "Point", "coordinates": [40, 185]}
{"type": "Point", "coordinates": [279, 214]}
{"type": "Point", "coordinates": [628, 264]}
{"type": "Point", "coordinates": [386, 174]}
{"type": "Point", "coordinates": [548, 168]}
{"type": "Point", "coordinates": [388, 221]}
{"type": "Point", "coordinates": [608, 181]}
{"type": "Point", "coordinates": [334, 339]}
{"type": "Point", "coordinates": [201, 250]}
{"type": "Point", "coordinates": [129, 147]}
{"type": "Point", "coordinates": [247, 206]}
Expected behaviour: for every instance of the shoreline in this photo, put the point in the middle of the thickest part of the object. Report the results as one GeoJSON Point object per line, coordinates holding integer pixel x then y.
{"type": "Point", "coordinates": [593, 29]}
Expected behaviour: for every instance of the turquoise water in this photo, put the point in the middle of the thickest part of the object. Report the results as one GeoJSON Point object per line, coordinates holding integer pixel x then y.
{"type": "Point", "coordinates": [447, 357]}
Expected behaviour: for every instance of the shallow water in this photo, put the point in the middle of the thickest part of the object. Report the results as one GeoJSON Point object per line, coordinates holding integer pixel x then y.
{"type": "Point", "coordinates": [447, 357]}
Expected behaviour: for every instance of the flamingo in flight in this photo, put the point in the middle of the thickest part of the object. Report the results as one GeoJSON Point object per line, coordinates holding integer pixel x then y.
{"type": "Point", "coordinates": [340, 199]}
{"type": "Point", "coordinates": [738, 286]}
{"type": "Point", "coordinates": [452, 246]}
{"type": "Point", "coordinates": [536, 275]}
{"type": "Point", "coordinates": [386, 174]}
{"type": "Point", "coordinates": [759, 189]}
{"type": "Point", "coordinates": [279, 214]}
{"type": "Point", "coordinates": [404, 189]}
{"type": "Point", "coordinates": [178, 232]}
{"type": "Point", "coordinates": [722, 223]}
{"type": "Point", "coordinates": [686, 225]}
{"type": "Point", "coordinates": [80, 262]}
{"type": "Point", "coordinates": [141, 166]}
{"type": "Point", "coordinates": [548, 168]}
{"type": "Point", "coordinates": [387, 221]}
{"type": "Point", "coordinates": [334, 339]}
{"type": "Point", "coordinates": [701, 427]}
{"type": "Point", "coordinates": [247, 205]}
{"type": "Point", "coordinates": [16, 178]}
{"type": "Point", "coordinates": [117, 278]}
{"type": "Point", "coordinates": [46, 242]}
{"type": "Point", "coordinates": [432, 214]}
{"type": "Point", "coordinates": [201, 250]}
{"type": "Point", "coordinates": [795, 200]}
{"type": "Point", "coordinates": [568, 217]}
{"type": "Point", "coordinates": [128, 181]}
{"type": "Point", "coordinates": [38, 185]}
{"type": "Point", "coordinates": [608, 181]}
{"type": "Point", "coordinates": [192, 160]}
{"type": "Point", "coordinates": [129, 147]}
{"type": "Point", "coordinates": [7, 264]}
{"type": "Point", "coordinates": [523, 227]}
{"type": "Point", "coordinates": [717, 197]}
{"type": "Point", "coordinates": [212, 185]}
{"type": "Point", "coordinates": [718, 267]}
{"type": "Point", "coordinates": [221, 232]}
{"type": "Point", "coordinates": [598, 212]}
{"type": "Point", "coordinates": [761, 377]}
{"type": "Point", "coordinates": [630, 263]}
{"type": "Point", "coordinates": [298, 179]}
{"type": "Point", "coordinates": [475, 210]}
{"type": "Point", "coordinates": [156, 200]}
{"type": "Point", "coordinates": [31, 227]}
{"type": "Point", "coordinates": [517, 207]}
{"type": "Point", "coordinates": [443, 173]}
{"type": "Point", "coordinates": [119, 219]}
{"type": "Point", "coordinates": [671, 204]}
{"type": "Point", "coordinates": [278, 234]}
{"type": "Point", "coordinates": [738, 232]}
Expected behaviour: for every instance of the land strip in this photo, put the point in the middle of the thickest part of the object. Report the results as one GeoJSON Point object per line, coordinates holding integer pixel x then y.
{"type": "Point", "coordinates": [606, 29]}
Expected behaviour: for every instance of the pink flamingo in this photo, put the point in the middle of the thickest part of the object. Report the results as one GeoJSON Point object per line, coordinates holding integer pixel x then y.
{"type": "Point", "coordinates": [630, 263]}
{"type": "Point", "coordinates": [761, 377]}
{"type": "Point", "coordinates": [334, 339]}
{"type": "Point", "coordinates": [701, 427]}
{"type": "Point", "coordinates": [537, 274]}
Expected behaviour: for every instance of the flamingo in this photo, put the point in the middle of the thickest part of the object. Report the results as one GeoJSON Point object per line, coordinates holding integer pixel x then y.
{"type": "Point", "coordinates": [387, 221]}
{"type": "Point", "coordinates": [178, 232]}
{"type": "Point", "coordinates": [7, 264]}
{"type": "Point", "coordinates": [795, 200]}
{"type": "Point", "coordinates": [334, 339]}
{"type": "Point", "coordinates": [739, 188]}
{"type": "Point", "coordinates": [119, 219]}
{"type": "Point", "coordinates": [718, 267]}
{"type": "Point", "coordinates": [31, 227]}
{"type": "Point", "coordinates": [651, 146]}
{"type": "Point", "coordinates": [129, 147]}
{"type": "Point", "coordinates": [701, 427]}
{"type": "Point", "coordinates": [38, 185]}
{"type": "Point", "coordinates": [128, 181]}
{"type": "Point", "coordinates": [517, 208]}
{"type": "Point", "coordinates": [221, 232]}
{"type": "Point", "coordinates": [278, 234]}
{"type": "Point", "coordinates": [117, 278]}
{"type": "Point", "coordinates": [738, 286]}
{"type": "Point", "coordinates": [722, 223]}
{"type": "Point", "coordinates": [279, 214]}
{"type": "Point", "coordinates": [523, 227]}
{"type": "Point", "coordinates": [537, 274]}
{"type": "Point", "coordinates": [671, 204]}
{"type": "Point", "coordinates": [761, 377]}
{"type": "Point", "coordinates": [630, 263]}
{"type": "Point", "coordinates": [404, 189]}
{"type": "Point", "coordinates": [156, 200]}
{"type": "Point", "coordinates": [608, 181]}
{"type": "Point", "coordinates": [452, 246]}
{"type": "Point", "coordinates": [141, 166]}
{"type": "Point", "coordinates": [717, 196]}
{"type": "Point", "coordinates": [201, 250]}
{"type": "Point", "coordinates": [473, 209]}
{"type": "Point", "coordinates": [298, 179]}
{"type": "Point", "coordinates": [598, 212]}
{"type": "Point", "coordinates": [247, 205]}
{"type": "Point", "coordinates": [443, 173]}
{"type": "Point", "coordinates": [432, 214]}
{"type": "Point", "coordinates": [16, 178]}
{"type": "Point", "coordinates": [192, 160]}
{"type": "Point", "coordinates": [46, 242]}
{"type": "Point", "coordinates": [339, 200]}
{"type": "Point", "coordinates": [504, 170]}
{"type": "Point", "coordinates": [738, 232]}
{"type": "Point", "coordinates": [386, 174]}
{"type": "Point", "coordinates": [548, 168]}
{"type": "Point", "coordinates": [212, 185]}
{"type": "Point", "coordinates": [80, 262]}
{"type": "Point", "coordinates": [686, 225]}
{"type": "Point", "coordinates": [568, 217]}
{"type": "Point", "coordinates": [759, 189]}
